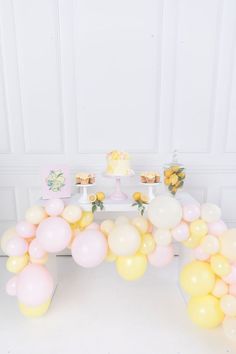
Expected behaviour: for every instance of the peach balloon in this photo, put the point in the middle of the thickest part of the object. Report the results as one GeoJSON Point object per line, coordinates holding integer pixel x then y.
{"type": "Point", "coordinates": [217, 228]}
{"type": "Point", "coordinates": [16, 246]}
{"type": "Point", "coordinates": [54, 207]}
{"type": "Point", "coordinates": [181, 232]}
{"type": "Point", "coordinates": [25, 229]}
{"type": "Point", "coordinates": [161, 256]}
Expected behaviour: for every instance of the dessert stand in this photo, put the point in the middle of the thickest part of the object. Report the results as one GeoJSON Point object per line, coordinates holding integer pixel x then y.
{"type": "Point", "coordinates": [151, 186]}
{"type": "Point", "coordinates": [118, 195]}
{"type": "Point", "coordinates": [83, 196]}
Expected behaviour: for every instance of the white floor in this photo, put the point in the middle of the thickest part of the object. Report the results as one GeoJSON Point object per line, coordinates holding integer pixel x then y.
{"type": "Point", "coordinates": [96, 312]}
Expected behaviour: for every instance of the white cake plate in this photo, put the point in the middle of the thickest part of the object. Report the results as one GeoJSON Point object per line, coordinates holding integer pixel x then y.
{"type": "Point", "coordinates": [118, 195]}
{"type": "Point", "coordinates": [151, 194]}
{"type": "Point", "coordinates": [83, 197]}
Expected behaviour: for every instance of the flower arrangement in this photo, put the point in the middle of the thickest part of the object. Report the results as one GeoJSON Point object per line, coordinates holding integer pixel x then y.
{"type": "Point", "coordinates": [140, 200]}
{"type": "Point", "coordinates": [174, 178]}
{"type": "Point", "coordinates": [97, 201]}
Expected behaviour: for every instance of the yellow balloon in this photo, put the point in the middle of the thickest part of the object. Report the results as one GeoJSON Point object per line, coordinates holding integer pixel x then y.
{"type": "Point", "coordinates": [193, 241]}
{"type": "Point", "coordinates": [16, 264]}
{"type": "Point", "coordinates": [72, 213]}
{"type": "Point", "coordinates": [198, 228]}
{"type": "Point", "coordinates": [147, 244]}
{"type": "Point", "coordinates": [75, 226]}
{"type": "Point", "coordinates": [205, 311]}
{"type": "Point", "coordinates": [35, 214]}
{"type": "Point", "coordinates": [35, 311]}
{"type": "Point", "coordinates": [6, 236]}
{"type": "Point", "coordinates": [220, 289]}
{"type": "Point", "coordinates": [141, 223]}
{"type": "Point", "coordinates": [110, 257]}
{"type": "Point", "coordinates": [228, 244]}
{"type": "Point", "coordinates": [86, 219]}
{"type": "Point", "coordinates": [197, 278]}
{"type": "Point", "coordinates": [131, 267]}
{"type": "Point", "coordinates": [220, 265]}
{"type": "Point", "coordinates": [107, 226]}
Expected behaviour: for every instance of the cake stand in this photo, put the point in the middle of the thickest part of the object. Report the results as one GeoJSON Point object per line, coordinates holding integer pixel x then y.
{"type": "Point", "coordinates": [118, 195]}
{"type": "Point", "coordinates": [83, 197]}
{"type": "Point", "coordinates": [151, 194]}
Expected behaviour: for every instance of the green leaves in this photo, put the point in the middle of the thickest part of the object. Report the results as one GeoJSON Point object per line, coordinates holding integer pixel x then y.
{"type": "Point", "coordinates": [140, 206]}
{"type": "Point", "coordinates": [97, 204]}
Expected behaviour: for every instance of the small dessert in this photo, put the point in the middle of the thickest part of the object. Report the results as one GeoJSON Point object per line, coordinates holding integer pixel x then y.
{"type": "Point", "coordinates": [150, 177]}
{"type": "Point", "coordinates": [85, 178]}
{"type": "Point", "coordinates": [118, 163]}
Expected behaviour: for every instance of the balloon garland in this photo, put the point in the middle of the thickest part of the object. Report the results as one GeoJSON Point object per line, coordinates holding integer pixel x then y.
{"type": "Point", "coordinates": [209, 280]}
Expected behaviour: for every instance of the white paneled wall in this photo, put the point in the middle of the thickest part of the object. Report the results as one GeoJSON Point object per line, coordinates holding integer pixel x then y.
{"type": "Point", "coordinates": [81, 77]}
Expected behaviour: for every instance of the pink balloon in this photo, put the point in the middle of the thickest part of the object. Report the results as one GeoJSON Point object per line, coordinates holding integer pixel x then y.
{"type": "Point", "coordinates": [11, 286]}
{"type": "Point", "coordinates": [54, 234]}
{"type": "Point", "coordinates": [200, 254]}
{"type": "Point", "coordinates": [34, 285]}
{"type": "Point", "coordinates": [217, 228]}
{"type": "Point", "coordinates": [36, 250]}
{"type": "Point", "coordinates": [191, 212]}
{"type": "Point", "coordinates": [231, 277]}
{"type": "Point", "coordinates": [161, 256]}
{"type": "Point", "coordinates": [150, 228]}
{"type": "Point", "coordinates": [181, 232]}
{"type": "Point", "coordinates": [93, 226]}
{"type": "Point", "coordinates": [54, 207]}
{"type": "Point", "coordinates": [16, 246]}
{"type": "Point", "coordinates": [232, 289]}
{"type": "Point", "coordinates": [89, 249]}
{"type": "Point", "coordinates": [25, 229]}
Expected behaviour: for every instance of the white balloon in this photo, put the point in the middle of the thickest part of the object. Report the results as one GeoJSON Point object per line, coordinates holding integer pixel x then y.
{"type": "Point", "coordinates": [124, 240]}
{"type": "Point", "coordinates": [228, 305]}
{"type": "Point", "coordinates": [164, 212]}
{"type": "Point", "coordinates": [229, 326]}
{"type": "Point", "coordinates": [210, 212]}
{"type": "Point", "coordinates": [162, 237]}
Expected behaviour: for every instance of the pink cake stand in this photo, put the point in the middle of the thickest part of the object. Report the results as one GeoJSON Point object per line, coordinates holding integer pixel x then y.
{"type": "Point", "coordinates": [118, 195]}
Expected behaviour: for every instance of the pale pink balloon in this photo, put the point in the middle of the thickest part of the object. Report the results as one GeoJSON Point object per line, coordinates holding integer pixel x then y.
{"type": "Point", "coordinates": [93, 226]}
{"type": "Point", "coordinates": [200, 254]}
{"type": "Point", "coordinates": [231, 277]}
{"type": "Point", "coordinates": [232, 289]}
{"type": "Point", "coordinates": [161, 256]}
{"type": "Point", "coordinates": [36, 250]}
{"type": "Point", "coordinates": [191, 212]}
{"type": "Point", "coordinates": [181, 232]}
{"type": "Point", "coordinates": [54, 234]}
{"type": "Point", "coordinates": [54, 207]}
{"type": "Point", "coordinates": [89, 249]}
{"type": "Point", "coordinates": [11, 286]}
{"type": "Point", "coordinates": [25, 229]}
{"type": "Point", "coordinates": [34, 285]}
{"type": "Point", "coordinates": [16, 246]}
{"type": "Point", "coordinates": [217, 228]}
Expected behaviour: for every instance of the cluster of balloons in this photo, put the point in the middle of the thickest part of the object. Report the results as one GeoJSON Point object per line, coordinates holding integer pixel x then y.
{"type": "Point", "coordinates": [209, 280]}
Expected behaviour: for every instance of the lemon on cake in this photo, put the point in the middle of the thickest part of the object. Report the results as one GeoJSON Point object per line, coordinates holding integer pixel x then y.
{"type": "Point", "coordinates": [118, 163]}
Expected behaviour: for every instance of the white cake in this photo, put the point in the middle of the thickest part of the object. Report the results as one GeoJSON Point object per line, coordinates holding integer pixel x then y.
{"type": "Point", "coordinates": [118, 163]}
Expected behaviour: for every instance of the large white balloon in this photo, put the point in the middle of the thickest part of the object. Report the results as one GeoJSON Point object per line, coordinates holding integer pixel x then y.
{"type": "Point", "coordinates": [210, 212]}
{"type": "Point", "coordinates": [124, 240]}
{"type": "Point", "coordinates": [164, 212]}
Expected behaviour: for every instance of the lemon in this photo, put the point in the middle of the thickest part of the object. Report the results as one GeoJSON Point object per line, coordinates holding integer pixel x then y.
{"type": "Point", "coordinates": [168, 172]}
{"type": "Point", "coordinates": [167, 181]}
{"type": "Point", "coordinates": [100, 196]}
{"type": "Point", "coordinates": [174, 179]}
{"type": "Point", "coordinates": [144, 198]}
{"type": "Point", "coordinates": [92, 197]}
{"type": "Point", "coordinates": [137, 196]}
{"type": "Point", "coordinates": [181, 175]}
